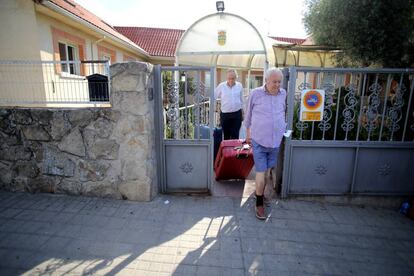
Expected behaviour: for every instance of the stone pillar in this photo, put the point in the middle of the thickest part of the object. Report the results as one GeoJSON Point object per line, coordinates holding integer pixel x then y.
{"type": "Point", "coordinates": [134, 131]}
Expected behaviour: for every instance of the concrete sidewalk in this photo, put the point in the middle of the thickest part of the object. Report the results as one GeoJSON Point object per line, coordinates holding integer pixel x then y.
{"type": "Point", "coordinates": [56, 234]}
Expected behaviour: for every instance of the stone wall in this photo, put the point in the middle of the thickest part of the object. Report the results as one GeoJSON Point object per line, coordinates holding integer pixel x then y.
{"type": "Point", "coordinates": [104, 152]}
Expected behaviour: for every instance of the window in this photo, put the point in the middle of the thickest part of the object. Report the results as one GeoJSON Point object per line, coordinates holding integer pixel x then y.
{"type": "Point", "coordinates": [256, 81]}
{"type": "Point", "coordinates": [207, 79]}
{"type": "Point", "coordinates": [69, 53]}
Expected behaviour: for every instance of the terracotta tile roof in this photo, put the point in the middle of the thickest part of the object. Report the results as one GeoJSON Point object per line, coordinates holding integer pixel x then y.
{"type": "Point", "coordinates": [88, 16]}
{"type": "Point", "coordinates": [289, 39]}
{"type": "Point", "coordinates": [156, 41]}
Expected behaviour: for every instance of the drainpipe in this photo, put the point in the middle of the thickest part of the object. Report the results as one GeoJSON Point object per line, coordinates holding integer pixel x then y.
{"type": "Point", "coordinates": [95, 43]}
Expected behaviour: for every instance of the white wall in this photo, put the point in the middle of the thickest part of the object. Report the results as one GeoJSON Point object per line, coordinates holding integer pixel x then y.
{"type": "Point", "coordinates": [18, 30]}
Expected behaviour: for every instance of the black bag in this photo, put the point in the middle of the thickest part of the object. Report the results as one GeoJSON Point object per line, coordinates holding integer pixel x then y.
{"type": "Point", "coordinates": [218, 137]}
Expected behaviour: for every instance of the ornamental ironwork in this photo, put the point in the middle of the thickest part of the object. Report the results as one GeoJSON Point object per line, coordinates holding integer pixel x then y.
{"type": "Point", "coordinates": [173, 111]}
{"type": "Point", "coordinates": [371, 112]}
{"type": "Point", "coordinates": [186, 167]}
{"type": "Point", "coordinates": [349, 112]}
{"type": "Point", "coordinates": [302, 126]}
{"type": "Point", "coordinates": [384, 169]}
{"type": "Point", "coordinates": [321, 170]}
{"type": "Point", "coordinates": [395, 113]}
{"type": "Point", "coordinates": [201, 105]}
{"type": "Point", "coordinates": [304, 85]}
{"type": "Point", "coordinates": [324, 125]}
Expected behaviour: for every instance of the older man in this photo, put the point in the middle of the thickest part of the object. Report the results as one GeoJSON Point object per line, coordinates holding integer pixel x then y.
{"type": "Point", "coordinates": [231, 94]}
{"type": "Point", "coordinates": [265, 122]}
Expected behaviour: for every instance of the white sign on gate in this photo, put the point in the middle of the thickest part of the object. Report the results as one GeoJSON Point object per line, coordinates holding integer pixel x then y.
{"type": "Point", "coordinates": [312, 105]}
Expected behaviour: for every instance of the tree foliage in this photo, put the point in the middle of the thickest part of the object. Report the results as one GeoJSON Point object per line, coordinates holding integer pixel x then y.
{"type": "Point", "coordinates": [370, 32]}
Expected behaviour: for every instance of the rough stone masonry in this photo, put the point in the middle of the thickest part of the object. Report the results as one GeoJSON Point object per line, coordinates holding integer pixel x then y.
{"type": "Point", "coordinates": [103, 152]}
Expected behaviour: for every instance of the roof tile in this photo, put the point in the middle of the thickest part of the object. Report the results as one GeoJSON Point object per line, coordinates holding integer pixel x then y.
{"type": "Point", "coordinates": [88, 16]}
{"type": "Point", "coordinates": [156, 41]}
{"type": "Point", "coordinates": [289, 39]}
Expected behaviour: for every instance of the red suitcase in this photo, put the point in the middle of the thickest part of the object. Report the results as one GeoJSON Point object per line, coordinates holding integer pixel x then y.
{"type": "Point", "coordinates": [234, 160]}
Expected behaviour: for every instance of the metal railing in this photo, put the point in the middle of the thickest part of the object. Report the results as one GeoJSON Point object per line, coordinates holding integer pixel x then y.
{"type": "Point", "coordinates": [186, 103]}
{"type": "Point", "coordinates": [360, 104]}
{"type": "Point", "coordinates": [24, 83]}
{"type": "Point", "coordinates": [188, 112]}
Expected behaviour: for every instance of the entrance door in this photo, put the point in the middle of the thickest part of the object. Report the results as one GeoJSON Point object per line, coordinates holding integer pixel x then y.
{"type": "Point", "coordinates": [184, 98]}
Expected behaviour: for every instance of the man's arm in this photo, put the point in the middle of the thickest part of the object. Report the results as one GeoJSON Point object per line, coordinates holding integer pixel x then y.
{"type": "Point", "coordinates": [248, 136]}
{"type": "Point", "coordinates": [217, 92]}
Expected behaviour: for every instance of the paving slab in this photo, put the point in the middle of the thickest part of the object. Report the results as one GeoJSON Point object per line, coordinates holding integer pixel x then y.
{"type": "Point", "coordinates": [176, 235]}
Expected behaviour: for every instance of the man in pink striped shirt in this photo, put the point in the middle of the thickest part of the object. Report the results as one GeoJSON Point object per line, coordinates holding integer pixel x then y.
{"type": "Point", "coordinates": [265, 123]}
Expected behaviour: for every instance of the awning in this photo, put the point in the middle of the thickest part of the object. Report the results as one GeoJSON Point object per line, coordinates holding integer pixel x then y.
{"type": "Point", "coordinates": [224, 40]}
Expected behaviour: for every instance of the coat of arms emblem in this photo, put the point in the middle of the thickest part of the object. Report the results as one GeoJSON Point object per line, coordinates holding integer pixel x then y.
{"type": "Point", "coordinates": [221, 38]}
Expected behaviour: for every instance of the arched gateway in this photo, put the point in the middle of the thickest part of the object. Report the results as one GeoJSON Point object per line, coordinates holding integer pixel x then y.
{"type": "Point", "coordinates": [184, 95]}
{"type": "Point", "coordinates": [361, 144]}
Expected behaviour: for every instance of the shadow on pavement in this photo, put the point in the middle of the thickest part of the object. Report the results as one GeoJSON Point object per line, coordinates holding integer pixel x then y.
{"type": "Point", "coordinates": [44, 234]}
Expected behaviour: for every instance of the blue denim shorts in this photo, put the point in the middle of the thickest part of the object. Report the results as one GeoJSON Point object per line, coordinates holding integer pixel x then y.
{"type": "Point", "coordinates": [264, 158]}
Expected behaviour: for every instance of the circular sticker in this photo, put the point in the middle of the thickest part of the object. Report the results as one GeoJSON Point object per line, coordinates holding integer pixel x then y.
{"type": "Point", "coordinates": [312, 100]}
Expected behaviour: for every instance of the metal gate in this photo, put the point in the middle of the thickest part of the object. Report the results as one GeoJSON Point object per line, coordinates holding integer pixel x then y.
{"type": "Point", "coordinates": [363, 145]}
{"type": "Point", "coordinates": [184, 112]}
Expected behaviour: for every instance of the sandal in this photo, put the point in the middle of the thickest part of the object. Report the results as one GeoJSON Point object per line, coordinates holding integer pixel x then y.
{"type": "Point", "coordinates": [260, 212]}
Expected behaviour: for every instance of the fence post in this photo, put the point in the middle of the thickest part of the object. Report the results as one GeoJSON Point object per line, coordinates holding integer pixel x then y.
{"type": "Point", "coordinates": [278, 170]}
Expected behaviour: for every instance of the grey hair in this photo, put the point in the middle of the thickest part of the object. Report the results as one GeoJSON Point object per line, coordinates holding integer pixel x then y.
{"type": "Point", "coordinates": [233, 71]}
{"type": "Point", "coordinates": [272, 71]}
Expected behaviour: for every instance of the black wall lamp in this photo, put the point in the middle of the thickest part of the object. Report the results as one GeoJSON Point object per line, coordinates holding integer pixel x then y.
{"type": "Point", "coordinates": [220, 6]}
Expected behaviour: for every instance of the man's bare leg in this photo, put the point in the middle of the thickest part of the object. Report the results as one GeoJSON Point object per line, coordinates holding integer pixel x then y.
{"type": "Point", "coordinates": [267, 178]}
{"type": "Point", "coordinates": [267, 181]}
{"type": "Point", "coordinates": [260, 183]}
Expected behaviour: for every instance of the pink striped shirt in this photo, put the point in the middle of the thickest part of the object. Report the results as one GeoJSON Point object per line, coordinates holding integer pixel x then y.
{"type": "Point", "coordinates": [265, 116]}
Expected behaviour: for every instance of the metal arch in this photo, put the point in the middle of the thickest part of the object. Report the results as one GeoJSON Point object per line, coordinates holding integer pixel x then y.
{"type": "Point", "coordinates": [249, 63]}
{"type": "Point", "coordinates": [294, 58]}
{"type": "Point", "coordinates": [250, 60]}
{"type": "Point", "coordinates": [215, 14]}
{"type": "Point", "coordinates": [320, 59]}
{"type": "Point", "coordinates": [276, 59]}
{"type": "Point", "coordinates": [216, 60]}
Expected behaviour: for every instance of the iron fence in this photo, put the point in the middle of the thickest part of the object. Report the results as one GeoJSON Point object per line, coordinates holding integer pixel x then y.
{"type": "Point", "coordinates": [364, 143]}
{"type": "Point", "coordinates": [360, 104]}
{"type": "Point", "coordinates": [53, 82]}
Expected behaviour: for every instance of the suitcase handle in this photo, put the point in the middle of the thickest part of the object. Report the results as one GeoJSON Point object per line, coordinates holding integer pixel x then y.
{"type": "Point", "coordinates": [242, 155]}
{"type": "Point", "coordinates": [243, 147]}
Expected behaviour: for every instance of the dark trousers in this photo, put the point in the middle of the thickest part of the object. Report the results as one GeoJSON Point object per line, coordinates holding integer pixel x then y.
{"type": "Point", "coordinates": [231, 123]}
